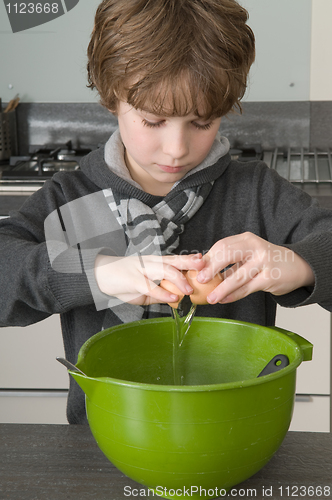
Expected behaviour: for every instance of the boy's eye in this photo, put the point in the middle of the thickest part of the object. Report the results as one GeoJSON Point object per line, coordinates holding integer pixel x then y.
{"type": "Point", "coordinates": [199, 126]}
{"type": "Point", "coordinates": [204, 126]}
{"type": "Point", "coordinates": [146, 123]}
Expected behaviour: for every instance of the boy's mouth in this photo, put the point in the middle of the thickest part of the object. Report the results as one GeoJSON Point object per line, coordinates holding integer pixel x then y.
{"type": "Point", "coordinates": [171, 170]}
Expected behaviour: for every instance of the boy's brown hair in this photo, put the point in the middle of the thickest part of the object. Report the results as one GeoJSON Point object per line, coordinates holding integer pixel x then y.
{"type": "Point", "coordinates": [171, 57]}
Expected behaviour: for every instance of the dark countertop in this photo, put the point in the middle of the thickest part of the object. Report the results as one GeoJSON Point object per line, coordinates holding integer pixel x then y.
{"type": "Point", "coordinates": [52, 462]}
{"type": "Point", "coordinates": [10, 202]}
{"type": "Point", "coordinates": [321, 191]}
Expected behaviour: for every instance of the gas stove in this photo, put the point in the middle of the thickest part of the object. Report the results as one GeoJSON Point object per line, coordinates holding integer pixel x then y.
{"type": "Point", "coordinates": [309, 169]}
{"type": "Point", "coordinates": [298, 165]}
{"type": "Point", "coordinates": [29, 172]}
{"type": "Point", "coordinates": [301, 166]}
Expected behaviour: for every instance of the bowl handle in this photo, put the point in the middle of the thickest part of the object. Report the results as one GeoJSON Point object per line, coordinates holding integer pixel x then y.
{"type": "Point", "coordinates": [305, 346]}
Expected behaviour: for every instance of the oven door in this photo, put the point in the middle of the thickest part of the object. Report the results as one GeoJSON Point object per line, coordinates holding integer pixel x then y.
{"type": "Point", "coordinates": [12, 196]}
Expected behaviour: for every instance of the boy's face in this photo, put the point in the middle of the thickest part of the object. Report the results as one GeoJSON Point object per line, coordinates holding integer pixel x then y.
{"type": "Point", "coordinates": [161, 150]}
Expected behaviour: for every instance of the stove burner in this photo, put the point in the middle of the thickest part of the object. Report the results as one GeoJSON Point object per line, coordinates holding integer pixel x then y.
{"type": "Point", "coordinates": [43, 161]}
{"type": "Point", "coordinates": [247, 153]}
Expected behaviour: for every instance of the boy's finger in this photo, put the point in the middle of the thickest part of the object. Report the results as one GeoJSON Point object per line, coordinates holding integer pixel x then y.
{"type": "Point", "coordinates": [154, 273]}
{"type": "Point", "coordinates": [178, 279]}
{"type": "Point", "coordinates": [156, 295]}
{"type": "Point", "coordinates": [185, 262]}
{"type": "Point", "coordinates": [229, 252]}
{"type": "Point", "coordinates": [256, 284]}
{"type": "Point", "coordinates": [241, 278]}
{"type": "Point", "coordinates": [161, 295]}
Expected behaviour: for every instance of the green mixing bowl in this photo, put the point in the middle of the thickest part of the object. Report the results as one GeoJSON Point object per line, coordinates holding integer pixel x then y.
{"type": "Point", "coordinates": [212, 433]}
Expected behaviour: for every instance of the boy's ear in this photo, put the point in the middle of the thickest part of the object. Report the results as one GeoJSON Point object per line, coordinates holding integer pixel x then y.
{"type": "Point", "coordinates": [114, 109]}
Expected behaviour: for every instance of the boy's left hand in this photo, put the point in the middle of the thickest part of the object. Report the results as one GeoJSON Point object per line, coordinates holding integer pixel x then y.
{"type": "Point", "coordinates": [256, 265]}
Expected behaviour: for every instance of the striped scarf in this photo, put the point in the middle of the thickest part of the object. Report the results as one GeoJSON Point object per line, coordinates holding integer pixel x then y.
{"type": "Point", "coordinates": [153, 231]}
{"type": "Point", "coordinates": [156, 230]}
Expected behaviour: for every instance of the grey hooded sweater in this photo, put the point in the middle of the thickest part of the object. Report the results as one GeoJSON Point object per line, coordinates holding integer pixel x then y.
{"type": "Point", "coordinates": [244, 197]}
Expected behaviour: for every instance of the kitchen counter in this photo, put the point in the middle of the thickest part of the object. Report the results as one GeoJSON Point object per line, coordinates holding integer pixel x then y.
{"type": "Point", "coordinates": [48, 462]}
{"type": "Point", "coordinates": [13, 200]}
{"type": "Point", "coordinates": [10, 201]}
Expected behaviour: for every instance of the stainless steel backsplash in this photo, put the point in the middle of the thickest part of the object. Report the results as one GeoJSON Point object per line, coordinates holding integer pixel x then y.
{"type": "Point", "coordinates": [271, 124]}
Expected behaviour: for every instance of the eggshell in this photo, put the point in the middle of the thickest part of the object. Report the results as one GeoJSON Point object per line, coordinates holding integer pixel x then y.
{"type": "Point", "coordinates": [170, 287]}
{"type": "Point", "coordinates": [201, 290]}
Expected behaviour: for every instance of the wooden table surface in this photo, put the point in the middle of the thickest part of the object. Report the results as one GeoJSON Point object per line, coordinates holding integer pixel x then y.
{"type": "Point", "coordinates": [55, 462]}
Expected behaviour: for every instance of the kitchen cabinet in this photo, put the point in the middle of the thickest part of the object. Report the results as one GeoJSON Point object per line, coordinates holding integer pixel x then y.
{"type": "Point", "coordinates": [313, 401]}
{"type": "Point", "coordinates": [33, 385]}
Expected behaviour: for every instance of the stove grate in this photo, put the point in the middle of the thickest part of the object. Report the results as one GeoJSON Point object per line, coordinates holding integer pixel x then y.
{"type": "Point", "coordinates": [301, 165]}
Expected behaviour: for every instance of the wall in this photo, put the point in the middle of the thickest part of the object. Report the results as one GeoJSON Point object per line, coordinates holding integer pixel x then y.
{"type": "Point", "coordinates": [321, 51]}
{"type": "Point", "coordinates": [282, 29]}
{"type": "Point", "coordinates": [288, 102]}
{"type": "Point", "coordinates": [47, 63]}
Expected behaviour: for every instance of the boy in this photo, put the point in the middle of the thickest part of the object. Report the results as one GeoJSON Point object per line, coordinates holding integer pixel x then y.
{"type": "Point", "coordinates": [94, 244]}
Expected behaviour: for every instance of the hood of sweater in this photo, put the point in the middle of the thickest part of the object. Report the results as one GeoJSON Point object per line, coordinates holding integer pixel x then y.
{"type": "Point", "coordinates": [106, 168]}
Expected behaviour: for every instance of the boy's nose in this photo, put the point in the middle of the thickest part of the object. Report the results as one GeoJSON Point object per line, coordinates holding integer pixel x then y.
{"type": "Point", "coordinates": [176, 144]}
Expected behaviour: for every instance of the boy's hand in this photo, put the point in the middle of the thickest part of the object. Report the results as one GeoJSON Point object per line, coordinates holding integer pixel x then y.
{"type": "Point", "coordinates": [136, 279]}
{"type": "Point", "coordinates": [256, 265]}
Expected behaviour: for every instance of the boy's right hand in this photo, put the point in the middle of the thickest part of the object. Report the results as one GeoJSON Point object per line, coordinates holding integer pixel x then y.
{"type": "Point", "coordinates": [136, 279]}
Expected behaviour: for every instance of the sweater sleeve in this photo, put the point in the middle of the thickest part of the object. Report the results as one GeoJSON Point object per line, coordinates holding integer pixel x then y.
{"type": "Point", "coordinates": [295, 220]}
{"type": "Point", "coordinates": [47, 254]}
